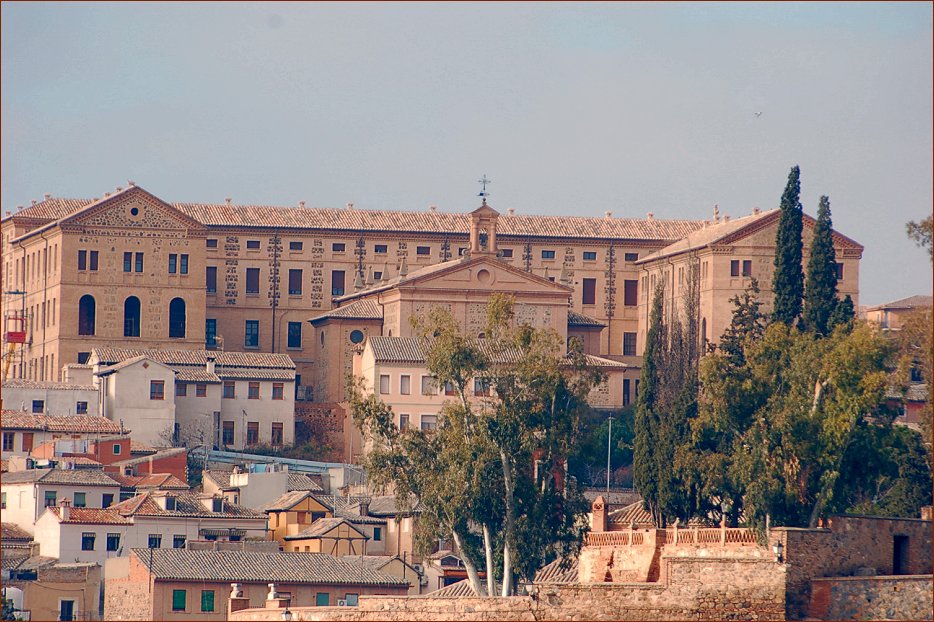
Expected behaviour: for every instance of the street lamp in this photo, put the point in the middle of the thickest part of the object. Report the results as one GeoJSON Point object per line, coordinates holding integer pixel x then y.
{"type": "Point", "coordinates": [287, 615]}
{"type": "Point", "coordinates": [777, 548]}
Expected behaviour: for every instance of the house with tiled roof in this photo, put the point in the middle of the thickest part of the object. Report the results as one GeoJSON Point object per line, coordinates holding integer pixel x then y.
{"type": "Point", "coordinates": [890, 316]}
{"type": "Point", "coordinates": [333, 536]}
{"type": "Point", "coordinates": [180, 584]}
{"type": "Point", "coordinates": [49, 397]}
{"type": "Point", "coordinates": [257, 484]}
{"type": "Point", "coordinates": [22, 432]}
{"type": "Point", "coordinates": [391, 565]}
{"type": "Point", "coordinates": [29, 581]}
{"type": "Point", "coordinates": [27, 493]}
{"type": "Point", "coordinates": [223, 399]}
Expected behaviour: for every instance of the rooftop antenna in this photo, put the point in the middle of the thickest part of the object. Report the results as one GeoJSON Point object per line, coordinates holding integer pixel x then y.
{"type": "Point", "coordinates": [483, 182]}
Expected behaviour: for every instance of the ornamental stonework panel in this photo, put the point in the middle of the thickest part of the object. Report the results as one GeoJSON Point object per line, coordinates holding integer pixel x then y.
{"type": "Point", "coordinates": [133, 213]}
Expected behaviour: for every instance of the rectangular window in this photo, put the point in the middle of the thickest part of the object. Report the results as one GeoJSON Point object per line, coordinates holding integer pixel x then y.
{"type": "Point", "coordinates": [505, 252]}
{"type": "Point", "coordinates": [377, 534]}
{"type": "Point", "coordinates": [337, 282]}
{"type": "Point", "coordinates": [630, 293]}
{"type": "Point", "coordinates": [338, 247]}
{"type": "Point", "coordinates": [82, 260]}
{"type": "Point", "coordinates": [449, 389]}
{"type": "Point", "coordinates": [81, 500]}
{"type": "Point", "coordinates": [138, 263]}
{"type": "Point", "coordinates": [423, 250]}
{"type": "Point", "coordinates": [252, 280]}
{"type": "Point", "coordinates": [429, 422]}
{"type": "Point", "coordinates": [589, 291]}
{"type": "Point", "coordinates": [155, 540]}
{"type": "Point", "coordinates": [322, 599]}
{"type": "Point", "coordinates": [87, 540]}
{"type": "Point", "coordinates": [481, 386]}
{"type": "Point", "coordinates": [295, 282]}
{"type": "Point", "coordinates": [183, 264]}
{"type": "Point", "coordinates": [548, 254]}
{"type": "Point", "coordinates": [405, 384]}
{"type": "Point", "coordinates": [630, 256]}
{"type": "Point", "coordinates": [157, 389]}
{"type": "Point", "coordinates": [403, 422]}
{"type": "Point", "coordinates": [295, 335]}
{"type": "Point", "coordinates": [275, 438]}
{"type": "Point", "coordinates": [230, 390]}
{"type": "Point", "coordinates": [629, 344]}
{"type": "Point", "coordinates": [117, 449]}
{"type": "Point", "coordinates": [352, 599]}
{"type": "Point", "coordinates": [252, 245]}
{"type": "Point", "coordinates": [179, 598]}
{"type": "Point", "coordinates": [207, 596]}
{"type": "Point", "coordinates": [113, 541]}
{"type": "Point", "coordinates": [8, 438]}
{"type": "Point", "coordinates": [28, 438]}
{"type": "Point", "coordinates": [734, 267]}
{"type": "Point", "coordinates": [626, 384]}
{"type": "Point", "coordinates": [92, 263]}
{"type": "Point", "coordinates": [251, 334]}
{"type": "Point", "coordinates": [210, 333]}
{"type": "Point", "coordinates": [384, 384]}
{"type": "Point", "coordinates": [590, 256]}
{"type": "Point", "coordinates": [211, 243]}
{"type": "Point", "coordinates": [38, 406]}
{"type": "Point", "coordinates": [838, 269]}
{"type": "Point", "coordinates": [378, 275]}
{"type": "Point", "coordinates": [278, 390]}
{"type": "Point", "coordinates": [252, 391]}
{"type": "Point", "coordinates": [173, 263]}
{"type": "Point", "coordinates": [107, 499]}
{"type": "Point", "coordinates": [201, 390]}
{"type": "Point", "coordinates": [178, 542]}
{"type": "Point", "coordinates": [81, 408]}
{"type": "Point", "coordinates": [252, 432]}
{"type": "Point", "coordinates": [228, 433]}
{"type": "Point", "coordinates": [380, 249]}
{"type": "Point", "coordinates": [181, 389]}
{"type": "Point", "coordinates": [51, 498]}
{"type": "Point", "coordinates": [295, 246]}
{"type": "Point", "coordinates": [127, 262]}
{"type": "Point", "coordinates": [747, 267]}
{"type": "Point", "coordinates": [428, 385]}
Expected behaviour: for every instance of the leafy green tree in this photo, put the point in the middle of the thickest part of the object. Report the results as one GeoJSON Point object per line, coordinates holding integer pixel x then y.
{"type": "Point", "coordinates": [747, 323]}
{"type": "Point", "coordinates": [921, 233]}
{"type": "Point", "coordinates": [788, 281]}
{"type": "Point", "coordinates": [587, 462]}
{"type": "Point", "coordinates": [820, 299]}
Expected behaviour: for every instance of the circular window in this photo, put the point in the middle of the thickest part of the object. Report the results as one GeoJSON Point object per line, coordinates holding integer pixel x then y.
{"type": "Point", "coordinates": [356, 336]}
{"type": "Point", "coordinates": [134, 211]}
{"type": "Point", "coordinates": [484, 276]}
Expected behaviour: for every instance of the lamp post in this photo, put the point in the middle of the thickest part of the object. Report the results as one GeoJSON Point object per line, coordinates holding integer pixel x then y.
{"type": "Point", "coordinates": [609, 449]}
{"type": "Point", "coordinates": [287, 615]}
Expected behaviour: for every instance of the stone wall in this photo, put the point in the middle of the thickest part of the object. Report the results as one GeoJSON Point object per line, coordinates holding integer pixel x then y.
{"type": "Point", "coordinates": [699, 589]}
{"type": "Point", "coordinates": [906, 597]}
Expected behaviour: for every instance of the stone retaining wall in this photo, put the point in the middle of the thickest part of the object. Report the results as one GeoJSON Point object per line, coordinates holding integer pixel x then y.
{"type": "Point", "coordinates": [872, 598]}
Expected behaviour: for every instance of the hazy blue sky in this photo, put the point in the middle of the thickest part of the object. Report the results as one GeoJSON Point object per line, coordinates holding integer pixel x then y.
{"type": "Point", "coordinates": [569, 109]}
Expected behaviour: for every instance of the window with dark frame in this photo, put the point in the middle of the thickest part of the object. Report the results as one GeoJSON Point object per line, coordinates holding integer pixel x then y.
{"type": "Point", "coordinates": [294, 335]}
{"type": "Point", "coordinates": [127, 262]}
{"type": "Point", "coordinates": [252, 391]}
{"type": "Point", "coordinates": [113, 541]}
{"type": "Point", "coordinates": [252, 280]}
{"type": "Point", "coordinates": [747, 267]}
{"type": "Point", "coordinates": [252, 433]}
{"type": "Point", "coordinates": [138, 264]}
{"type": "Point", "coordinates": [82, 260]}
{"type": "Point", "coordinates": [211, 243]}
{"type": "Point", "coordinates": [734, 267]}
{"type": "Point", "coordinates": [590, 255]}
{"type": "Point", "coordinates": [251, 334]}
{"type": "Point", "coordinates": [228, 436]}
{"type": "Point", "coordinates": [547, 254]}
{"type": "Point", "coordinates": [295, 246]}
{"type": "Point", "coordinates": [92, 263]}
{"type": "Point", "coordinates": [38, 406]}
{"type": "Point", "coordinates": [630, 256]}
{"type": "Point", "coordinates": [295, 282]}
{"type": "Point", "coordinates": [380, 249]}
{"type": "Point", "coordinates": [423, 250]}
{"type": "Point", "coordinates": [87, 540]}
{"type": "Point", "coordinates": [201, 390]}
{"type": "Point", "coordinates": [181, 389]}
{"type": "Point", "coordinates": [183, 264]}
{"type": "Point", "coordinates": [157, 389]}
{"type": "Point", "coordinates": [630, 293]}
{"type": "Point", "coordinates": [179, 600]}
{"type": "Point", "coordinates": [173, 263]}
{"type": "Point", "coordinates": [155, 540]}
{"type": "Point", "coordinates": [629, 344]}
{"type": "Point", "coordinates": [230, 390]}
{"type": "Point", "coordinates": [338, 247]}
{"type": "Point", "coordinates": [275, 437]}
{"type": "Point", "coordinates": [838, 270]}
{"type": "Point", "coordinates": [278, 390]}
{"type": "Point", "coordinates": [81, 408]}
{"type": "Point", "coordinates": [505, 252]}
{"type": "Point", "coordinates": [589, 291]}
{"type": "Point", "coordinates": [252, 245]}
{"type": "Point", "coordinates": [210, 332]}
{"type": "Point", "coordinates": [337, 282]}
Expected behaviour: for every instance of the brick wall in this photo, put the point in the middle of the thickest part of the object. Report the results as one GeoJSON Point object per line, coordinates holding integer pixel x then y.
{"type": "Point", "coordinates": [872, 598]}
{"type": "Point", "coordinates": [128, 593]}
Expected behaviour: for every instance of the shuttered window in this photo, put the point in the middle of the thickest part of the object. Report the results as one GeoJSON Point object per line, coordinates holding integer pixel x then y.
{"type": "Point", "coordinates": [590, 291]}
{"type": "Point", "coordinates": [630, 293]}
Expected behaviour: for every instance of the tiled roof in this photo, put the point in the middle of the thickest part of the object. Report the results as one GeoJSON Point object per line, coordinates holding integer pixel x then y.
{"type": "Point", "coordinates": [11, 532]}
{"type": "Point", "coordinates": [11, 558]}
{"type": "Point", "coordinates": [387, 505]}
{"type": "Point", "coordinates": [187, 505]}
{"type": "Point", "coordinates": [243, 566]}
{"type": "Point", "coordinates": [158, 455]}
{"type": "Point", "coordinates": [64, 477]}
{"type": "Point", "coordinates": [237, 373]}
{"type": "Point", "coordinates": [915, 392]}
{"type": "Point", "coordinates": [21, 383]}
{"type": "Point", "coordinates": [196, 375]}
{"type": "Point", "coordinates": [365, 309]}
{"type": "Point", "coordinates": [348, 508]}
{"type": "Point", "coordinates": [912, 302]}
{"type": "Point", "coordinates": [53, 208]}
{"type": "Point", "coordinates": [558, 572]}
{"type": "Point", "coordinates": [159, 481]}
{"type": "Point", "coordinates": [301, 481]}
{"type": "Point", "coordinates": [706, 235]}
{"type": "Point", "coordinates": [110, 356]}
{"type": "Point", "coordinates": [75, 424]}
{"type": "Point", "coordinates": [461, 589]}
{"type": "Point", "coordinates": [281, 503]}
{"type": "Point", "coordinates": [579, 319]}
{"type": "Point", "coordinates": [321, 527]}
{"type": "Point", "coordinates": [599, 361]}
{"type": "Point", "coordinates": [92, 516]}
{"type": "Point", "coordinates": [637, 514]}
{"type": "Point", "coordinates": [373, 562]}
{"type": "Point", "coordinates": [138, 447]}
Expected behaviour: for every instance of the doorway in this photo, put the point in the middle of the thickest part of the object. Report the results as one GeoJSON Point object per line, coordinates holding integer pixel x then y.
{"type": "Point", "coordinates": [900, 555]}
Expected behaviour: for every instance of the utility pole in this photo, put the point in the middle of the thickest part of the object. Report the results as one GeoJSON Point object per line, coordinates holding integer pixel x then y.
{"type": "Point", "coordinates": [609, 450]}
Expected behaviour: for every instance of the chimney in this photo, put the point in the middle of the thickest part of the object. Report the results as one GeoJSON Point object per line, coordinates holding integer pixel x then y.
{"type": "Point", "coordinates": [350, 206]}
{"type": "Point", "coordinates": [65, 506]}
{"type": "Point", "coordinates": [650, 216]}
{"type": "Point", "coordinates": [599, 510]}
{"type": "Point", "coordinates": [364, 507]}
{"type": "Point", "coordinates": [432, 208]}
{"type": "Point", "coordinates": [608, 215]}
{"type": "Point", "coordinates": [511, 211]}
{"type": "Point", "coordinates": [236, 601]}
{"type": "Point", "coordinates": [130, 183]}
{"type": "Point", "coordinates": [119, 189]}
{"type": "Point", "coordinates": [210, 364]}
{"type": "Point", "coordinates": [33, 201]}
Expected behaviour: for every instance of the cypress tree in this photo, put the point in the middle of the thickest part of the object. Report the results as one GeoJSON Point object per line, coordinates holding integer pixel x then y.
{"type": "Point", "coordinates": [820, 299]}
{"type": "Point", "coordinates": [788, 281]}
{"type": "Point", "coordinates": [646, 420]}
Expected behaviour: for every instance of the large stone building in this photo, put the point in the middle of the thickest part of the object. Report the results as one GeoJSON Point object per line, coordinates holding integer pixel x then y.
{"type": "Point", "coordinates": [132, 270]}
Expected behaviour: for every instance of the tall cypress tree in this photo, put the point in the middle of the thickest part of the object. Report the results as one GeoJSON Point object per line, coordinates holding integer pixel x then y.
{"type": "Point", "coordinates": [646, 420]}
{"type": "Point", "coordinates": [820, 299]}
{"type": "Point", "coordinates": [788, 281]}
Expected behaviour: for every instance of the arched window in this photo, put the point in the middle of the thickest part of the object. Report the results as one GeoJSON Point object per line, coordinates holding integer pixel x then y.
{"type": "Point", "coordinates": [131, 317]}
{"type": "Point", "coordinates": [87, 315]}
{"type": "Point", "coordinates": [177, 318]}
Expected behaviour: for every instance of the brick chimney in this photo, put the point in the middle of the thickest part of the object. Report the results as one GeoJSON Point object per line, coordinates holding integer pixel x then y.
{"type": "Point", "coordinates": [599, 510]}
{"type": "Point", "coordinates": [209, 366]}
{"type": "Point", "coordinates": [237, 601]}
{"type": "Point", "coordinates": [65, 506]}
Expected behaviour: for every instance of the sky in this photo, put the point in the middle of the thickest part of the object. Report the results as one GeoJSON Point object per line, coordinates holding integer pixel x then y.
{"type": "Point", "coordinates": [570, 109]}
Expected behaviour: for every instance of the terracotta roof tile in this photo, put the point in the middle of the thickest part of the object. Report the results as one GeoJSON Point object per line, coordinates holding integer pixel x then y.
{"type": "Point", "coordinates": [14, 420]}
{"type": "Point", "coordinates": [366, 309]}
{"type": "Point", "coordinates": [558, 571]}
{"type": "Point", "coordinates": [911, 302]}
{"type": "Point", "coordinates": [21, 383]}
{"type": "Point", "coordinates": [11, 532]}
{"type": "Point", "coordinates": [706, 235]}
{"type": "Point", "coordinates": [173, 358]}
{"type": "Point", "coordinates": [187, 505]}
{"type": "Point", "coordinates": [53, 208]}
{"type": "Point", "coordinates": [579, 319]}
{"type": "Point", "coordinates": [158, 481]}
{"type": "Point", "coordinates": [247, 566]}
{"type": "Point", "coordinates": [92, 516]}
{"type": "Point", "coordinates": [239, 373]}
{"type": "Point", "coordinates": [281, 503]}
{"type": "Point", "coordinates": [461, 589]}
{"type": "Point", "coordinates": [201, 376]}
{"type": "Point", "coordinates": [66, 477]}
{"type": "Point", "coordinates": [157, 455]}
{"type": "Point", "coordinates": [320, 527]}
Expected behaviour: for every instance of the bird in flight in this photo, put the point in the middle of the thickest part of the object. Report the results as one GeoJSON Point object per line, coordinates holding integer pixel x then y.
{"type": "Point", "coordinates": [758, 114]}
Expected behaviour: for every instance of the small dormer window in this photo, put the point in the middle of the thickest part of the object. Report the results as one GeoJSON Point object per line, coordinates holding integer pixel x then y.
{"type": "Point", "coordinates": [218, 505]}
{"type": "Point", "coordinates": [170, 504]}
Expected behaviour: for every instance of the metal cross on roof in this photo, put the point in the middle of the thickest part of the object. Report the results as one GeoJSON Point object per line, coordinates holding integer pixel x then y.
{"type": "Point", "coordinates": [484, 181]}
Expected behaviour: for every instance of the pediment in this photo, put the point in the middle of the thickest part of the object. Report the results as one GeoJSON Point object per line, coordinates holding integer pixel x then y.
{"type": "Point", "coordinates": [486, 274]}
{"type": "Point", "coordinates": [763, 233]}
{"type": "Point", "coordinates": [132, 208]}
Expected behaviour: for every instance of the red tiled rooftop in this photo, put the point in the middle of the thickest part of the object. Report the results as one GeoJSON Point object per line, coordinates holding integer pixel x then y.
{"type": "Point", "coordinates": [14, 420]}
